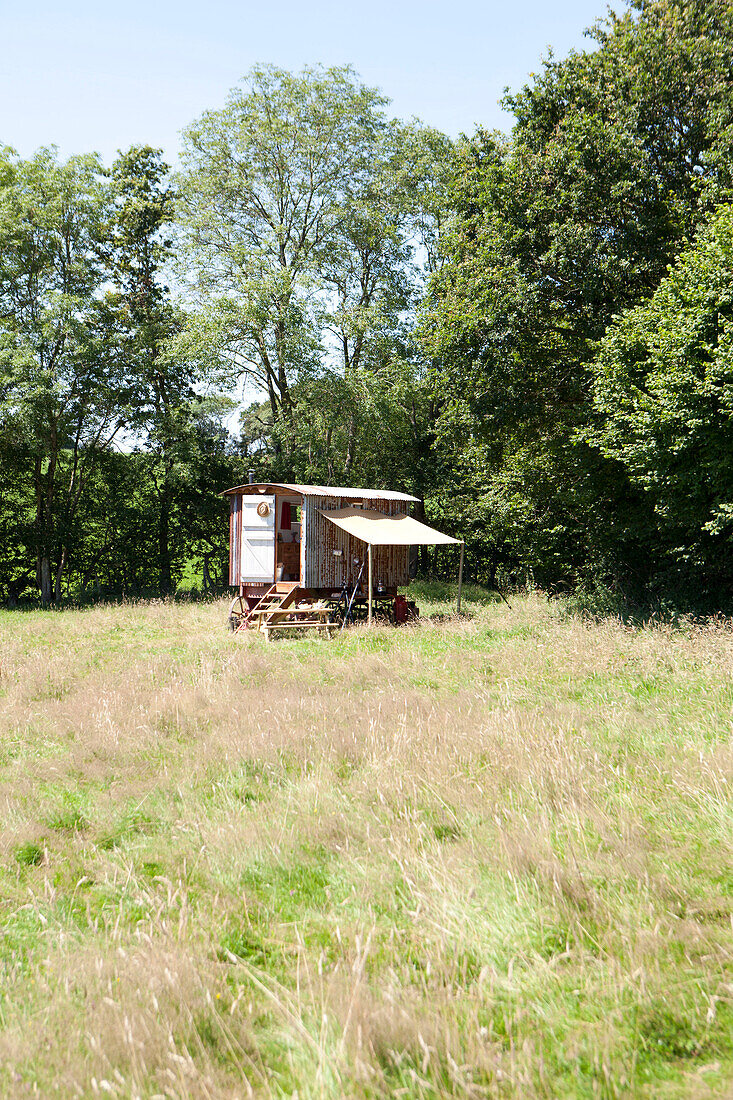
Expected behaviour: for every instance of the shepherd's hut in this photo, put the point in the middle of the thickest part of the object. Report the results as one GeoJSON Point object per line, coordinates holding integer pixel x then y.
{"type": "Point", "coordinates": [311, 554]}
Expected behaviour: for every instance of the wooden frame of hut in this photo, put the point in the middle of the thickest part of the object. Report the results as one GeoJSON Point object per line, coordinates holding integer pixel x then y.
{"type": "Point", "coordinates": [291, 544]}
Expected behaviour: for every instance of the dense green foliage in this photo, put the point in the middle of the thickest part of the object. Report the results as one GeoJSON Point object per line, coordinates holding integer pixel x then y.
{"type": "Point", "coordinates": [664, 388]}
{"type": "Point", "coordinates": [614, 158]}
{"type": "Point", "coordinates": [106, 442]}
{"type": "Point", "coordinates": [528, 332]}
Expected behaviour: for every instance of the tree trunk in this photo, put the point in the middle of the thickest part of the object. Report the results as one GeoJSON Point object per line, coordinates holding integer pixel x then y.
{"type": "Point", "coordinates": [164, 553]}
{"type": "Point", "coordinates": [59, 574]}
{"type": "Point", "coordinates": [350, 447]}
{"type": "Point", "coordinates": [42, 525]}
{"type": "Point", "coordinates": [329, 463]}
{"type": "Point", "coordinates": [44, 578]}
{"type": "Point", "coordinates": [283, 386]}
{"type": "Point", "coordinates": [207, 582]}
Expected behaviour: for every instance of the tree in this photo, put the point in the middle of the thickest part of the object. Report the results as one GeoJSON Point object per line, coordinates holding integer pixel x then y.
{"type": "Point", "coordinates": [613, 160]}
{"type": "Point", "coordinates": [663, 385]}
{"type": "Point", "coordinates": [142, 212]}
{"type": "Point", "coordinates": [374, 272]}
{"type": "Point", "coordinates": [62, 384]}
{"type": "Point", "coordinates": [176, 400]}
{"type": "Point", "coordinates": [309, 220]}
{"type": "Point", "coordinates": [262, 198]}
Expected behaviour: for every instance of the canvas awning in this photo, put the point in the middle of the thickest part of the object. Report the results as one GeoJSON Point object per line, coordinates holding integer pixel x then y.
{"type": "Point", "coordinates": [377, 529]}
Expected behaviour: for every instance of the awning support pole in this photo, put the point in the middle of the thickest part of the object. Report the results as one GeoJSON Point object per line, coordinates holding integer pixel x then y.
{"type": "Point", "coordinates": [460, 579]}
{"type": "Point", "coordinates": [369, 605]}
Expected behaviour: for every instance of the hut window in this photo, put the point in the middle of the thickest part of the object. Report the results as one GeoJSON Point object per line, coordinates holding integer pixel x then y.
{"type": "Point", "coordinates": [289, 515]}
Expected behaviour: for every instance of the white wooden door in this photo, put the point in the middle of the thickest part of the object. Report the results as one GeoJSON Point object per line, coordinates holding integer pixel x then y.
{"type": "Point", "coordinates": [258, 539]}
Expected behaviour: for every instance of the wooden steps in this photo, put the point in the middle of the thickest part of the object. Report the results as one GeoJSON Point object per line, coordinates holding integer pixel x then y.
{"type": "Point", "coordinates": [277, 596]}
{"type": "Point", "coordinates": [286, 606]}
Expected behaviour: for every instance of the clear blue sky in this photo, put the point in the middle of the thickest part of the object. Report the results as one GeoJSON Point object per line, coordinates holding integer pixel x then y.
{"type": "Point", "coordinates": [100, 76]}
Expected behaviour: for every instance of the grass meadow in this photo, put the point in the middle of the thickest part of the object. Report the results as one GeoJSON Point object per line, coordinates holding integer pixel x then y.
{"type": "Point", "coordinates": [477, 857]}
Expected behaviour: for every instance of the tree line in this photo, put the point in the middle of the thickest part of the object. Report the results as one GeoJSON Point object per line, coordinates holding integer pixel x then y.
{"type": "Point", "coordinates": [529, 332]}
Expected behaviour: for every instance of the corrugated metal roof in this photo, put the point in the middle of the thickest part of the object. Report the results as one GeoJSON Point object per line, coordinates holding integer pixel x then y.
{"type": "Point", "coordinates": [323, 491]}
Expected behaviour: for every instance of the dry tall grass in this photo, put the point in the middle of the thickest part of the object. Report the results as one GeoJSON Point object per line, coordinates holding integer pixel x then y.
{"type": "Point", "coordinates": [474, 858]}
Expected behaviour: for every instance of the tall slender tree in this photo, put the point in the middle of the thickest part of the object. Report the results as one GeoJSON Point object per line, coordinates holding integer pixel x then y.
{"type": "Point", "coordinates": [142, 213]}
{"type": "Point", "coordinates": [175, 393]}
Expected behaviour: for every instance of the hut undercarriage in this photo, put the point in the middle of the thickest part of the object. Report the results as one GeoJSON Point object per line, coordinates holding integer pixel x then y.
{"type": "Point", "coordinates": [287, 607]}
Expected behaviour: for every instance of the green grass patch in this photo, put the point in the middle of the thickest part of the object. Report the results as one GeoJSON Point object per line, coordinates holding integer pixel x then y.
{"type": "Point", "coordinates": [483, 856]}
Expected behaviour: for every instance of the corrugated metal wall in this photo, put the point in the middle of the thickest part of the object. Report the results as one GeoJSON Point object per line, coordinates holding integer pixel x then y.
{"type": "Point", "coordinates": [324, 569]}
{"type": "Point", "coordinates": [235, 537]}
